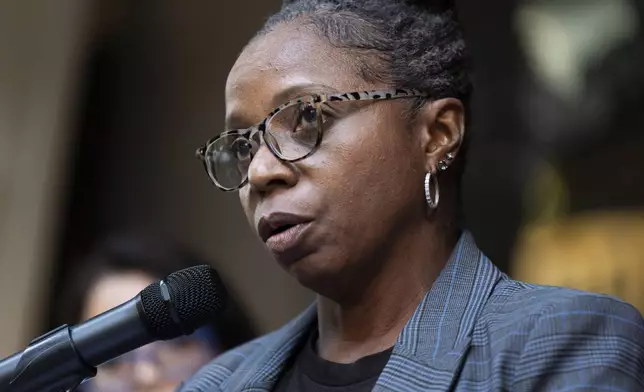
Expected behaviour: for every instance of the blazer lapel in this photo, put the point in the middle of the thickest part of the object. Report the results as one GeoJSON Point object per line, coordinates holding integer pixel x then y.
{"type": "Point", "coordinates": [431, 348]}
{"type": "Point", "coordinates": [262, 373]}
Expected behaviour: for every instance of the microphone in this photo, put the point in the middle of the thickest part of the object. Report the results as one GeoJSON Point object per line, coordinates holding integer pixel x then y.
{"type": "Point", "coordinates": [66, 356]}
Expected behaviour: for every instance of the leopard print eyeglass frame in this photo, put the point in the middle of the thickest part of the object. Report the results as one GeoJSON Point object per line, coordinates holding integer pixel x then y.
{"type": "Point", "coordinates": [292, 132]}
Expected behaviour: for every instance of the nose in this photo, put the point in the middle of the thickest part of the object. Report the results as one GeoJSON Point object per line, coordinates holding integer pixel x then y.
{"type": "Point", "coordinates": [266, 172]}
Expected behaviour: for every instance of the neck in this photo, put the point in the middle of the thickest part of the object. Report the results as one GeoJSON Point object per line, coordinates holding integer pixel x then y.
{"type": "Point", "coordinates": [369, 319]}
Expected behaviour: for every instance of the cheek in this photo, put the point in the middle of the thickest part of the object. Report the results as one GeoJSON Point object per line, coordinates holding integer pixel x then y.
{"type": "Point", "coordinates": [245, 201]}
{"type": "Point", "coordinates": [369, 163]}
{"type": "Point", "coordinates": [371, 145]}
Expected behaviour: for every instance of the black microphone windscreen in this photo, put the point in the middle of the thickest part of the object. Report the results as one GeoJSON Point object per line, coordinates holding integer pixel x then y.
{"type": "Point", "coordinates": [193, 297]}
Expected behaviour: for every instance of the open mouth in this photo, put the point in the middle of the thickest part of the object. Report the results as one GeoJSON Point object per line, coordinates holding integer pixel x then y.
{"type": "Point", "coordinates": [278, 223]}
{"type": "Point", "coordinates": [281, 229]}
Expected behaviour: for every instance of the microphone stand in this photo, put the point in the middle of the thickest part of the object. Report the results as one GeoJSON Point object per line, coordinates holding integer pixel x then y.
{"type": "Point", "coordinates": [49, 364]}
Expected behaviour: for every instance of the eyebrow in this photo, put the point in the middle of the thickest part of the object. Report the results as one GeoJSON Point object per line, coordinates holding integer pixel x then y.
{"type": "Point", "coordinates": [299, 90]}
{"type": "Point", "coordinates": [238, 121]}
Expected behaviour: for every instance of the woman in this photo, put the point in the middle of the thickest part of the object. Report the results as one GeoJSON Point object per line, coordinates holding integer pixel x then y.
{"type": "Point", "coordinates": [115, 272]}
{"type": "Point", "coordinates": [352, 183]}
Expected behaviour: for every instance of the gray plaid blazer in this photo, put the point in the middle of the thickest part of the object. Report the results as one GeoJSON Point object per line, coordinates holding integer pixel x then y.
{"type": "Point", "coordinates": [475, 330]}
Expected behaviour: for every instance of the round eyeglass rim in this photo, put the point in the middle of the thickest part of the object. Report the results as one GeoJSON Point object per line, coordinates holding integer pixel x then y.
{"type": "Point", "coordinates": [249, 133]}
{"type": "Point", "coordinates": [318, 100]}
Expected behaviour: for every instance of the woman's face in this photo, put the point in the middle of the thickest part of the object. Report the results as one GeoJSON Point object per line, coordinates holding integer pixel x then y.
{"type": "Point", "coordinates": [362, 187]}
{"type": "Point", "coordinates": [157, 367]}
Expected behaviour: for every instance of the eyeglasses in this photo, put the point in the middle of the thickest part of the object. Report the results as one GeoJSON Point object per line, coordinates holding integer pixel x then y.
{"type": "Point", "coordinates": [292, 132]}
{"type": "Point", "coordinates": [168, 362]}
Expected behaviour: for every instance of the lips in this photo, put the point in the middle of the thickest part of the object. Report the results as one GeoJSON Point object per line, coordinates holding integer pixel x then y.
{"type": "Point", "coordinates": [279, 224]}
{"type": "Point", "coordinates": [284, 235]}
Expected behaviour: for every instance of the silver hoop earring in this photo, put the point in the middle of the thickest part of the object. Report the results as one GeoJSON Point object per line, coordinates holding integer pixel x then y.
{"type": "Point", "coordinates": [432, 201]}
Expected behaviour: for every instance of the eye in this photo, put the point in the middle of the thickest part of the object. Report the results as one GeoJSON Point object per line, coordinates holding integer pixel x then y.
{"type": "Point", "coordinates": [305, 128]}
{"type": "Point", "coordinates": [242, 148]}
{"type": "Point", "coordinates": [308, 113]}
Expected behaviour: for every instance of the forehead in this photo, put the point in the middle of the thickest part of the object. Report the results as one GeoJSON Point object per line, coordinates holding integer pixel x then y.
{"type": "Point", "coordinates": [112, 290]}
{"type": "Point", "coordinates": [277, 66]}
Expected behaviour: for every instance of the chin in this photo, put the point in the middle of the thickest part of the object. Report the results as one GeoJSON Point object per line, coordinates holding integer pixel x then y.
{"type": "Point", "coordinates": [318, 274]}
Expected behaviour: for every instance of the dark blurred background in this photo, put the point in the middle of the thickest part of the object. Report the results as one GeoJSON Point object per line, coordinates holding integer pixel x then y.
{"type": "Point", "coordinates": [103, 102]}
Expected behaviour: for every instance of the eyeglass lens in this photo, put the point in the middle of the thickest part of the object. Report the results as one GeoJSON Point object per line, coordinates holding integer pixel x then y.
{"type": "Point", "coordinates": [291, 133]}
{"type": "Point", "coordinates": [160, 363]}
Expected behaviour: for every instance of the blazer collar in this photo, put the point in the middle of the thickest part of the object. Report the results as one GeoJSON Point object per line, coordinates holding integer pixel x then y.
{"type": "Point", "coordinates": [262, 373]}
{"type": "Point", "coordinates": [432, 344]}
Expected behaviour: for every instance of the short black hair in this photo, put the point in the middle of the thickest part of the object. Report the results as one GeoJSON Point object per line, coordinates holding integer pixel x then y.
{"type": "Point", "coordinates": [416, 44]}
{"type": "Point", "coordinates": [153, 256]}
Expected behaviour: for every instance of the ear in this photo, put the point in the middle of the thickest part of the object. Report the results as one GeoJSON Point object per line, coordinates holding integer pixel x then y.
{"type": "Point", "coordinates": [442, 127]}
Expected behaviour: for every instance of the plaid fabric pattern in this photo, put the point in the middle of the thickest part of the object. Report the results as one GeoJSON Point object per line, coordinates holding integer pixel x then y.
{"type": "Point", "coordinates": [475, 330]}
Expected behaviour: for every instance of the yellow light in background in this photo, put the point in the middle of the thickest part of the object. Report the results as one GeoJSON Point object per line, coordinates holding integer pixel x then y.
{"type": "Point", "coordinates": [546, 196]}
{"type": "Point", "coordinates": [600, 252]}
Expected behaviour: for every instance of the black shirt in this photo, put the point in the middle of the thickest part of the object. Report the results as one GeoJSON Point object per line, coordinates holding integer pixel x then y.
{"type": "Point", "coordinates": [310, 373]}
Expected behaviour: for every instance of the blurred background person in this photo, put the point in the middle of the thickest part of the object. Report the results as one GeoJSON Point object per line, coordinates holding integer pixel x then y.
{"type": "Point", "coordinates": [116, 271]}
